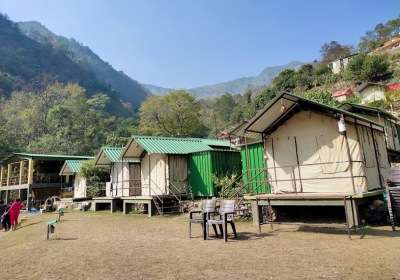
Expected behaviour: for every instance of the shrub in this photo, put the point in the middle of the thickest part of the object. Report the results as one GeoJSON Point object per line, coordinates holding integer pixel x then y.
{"type": "Point", "coordinates": [364, 68]}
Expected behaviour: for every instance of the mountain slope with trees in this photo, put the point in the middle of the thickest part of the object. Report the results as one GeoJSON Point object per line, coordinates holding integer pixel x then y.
{"type": "Point", "coordinates": [236, 86]}
{"type": "Point", "coordinates": [127, 89]}
{"type": "Point", "coordinates": [27, 65]}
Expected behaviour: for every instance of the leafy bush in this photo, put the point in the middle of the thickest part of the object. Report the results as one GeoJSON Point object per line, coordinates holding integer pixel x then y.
{"type": "Point", "coordinates": [227, 185]}
{"type": "Point", "coordinates": [368, 68]}
{"type": "Point", "coordinates": [95, 178]}
{"type": "Point", "coordinates": [320, 96]}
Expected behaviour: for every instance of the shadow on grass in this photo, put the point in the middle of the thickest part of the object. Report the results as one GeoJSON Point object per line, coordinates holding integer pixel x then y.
{"type": "Point", "coordinates": [63, 239]}
{"type": "Point", "coordinates": [242, 236]}
{"type": "Point", "coordinates": [28, 225]}
{"type": "Point", "coordinates": [360, 232]}
{"type": "Point", "coordinates": [377, 233]}
{"type": "Point", "coordinates": [252, 235]}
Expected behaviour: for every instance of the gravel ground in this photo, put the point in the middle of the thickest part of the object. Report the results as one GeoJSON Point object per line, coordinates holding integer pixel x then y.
{"type": "Point", "coordinates": [112, 246]}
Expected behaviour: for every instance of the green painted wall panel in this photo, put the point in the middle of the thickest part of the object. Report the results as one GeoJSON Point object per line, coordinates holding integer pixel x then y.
{"type": "Point", "coordinates": [204, 165]}
{"type": "Point", "coordinates": [253, 169]}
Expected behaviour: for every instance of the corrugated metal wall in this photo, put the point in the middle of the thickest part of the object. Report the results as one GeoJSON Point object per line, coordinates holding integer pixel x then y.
{"type": "Point", "coordinates": [253, 166]}
{"type": "Point", "coordinates": [204, 165]}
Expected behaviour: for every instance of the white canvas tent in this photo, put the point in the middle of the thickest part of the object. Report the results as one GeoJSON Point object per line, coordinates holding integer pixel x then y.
{"type": "Point", "coordinates": [306, 153]}
{"type": "Point", "coordinates": [164, 161]}
{"type": "Point", "coordinates": [70, 170]}
{"type": "Point", "coordinates": [120, 183]}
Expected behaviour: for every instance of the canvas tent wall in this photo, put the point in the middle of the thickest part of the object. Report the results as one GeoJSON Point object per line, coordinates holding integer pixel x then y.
{"type": "Point", "coordinates": [203, 166]}
{"type": "Point", "coordinates": [121, 183]}
{"type": "Point", "coordinates": [387, 120]}
{"type": "Point", "coordinates": [165, 161]}
{"type": "Point", "coordinates": [254, 172]}
{"type": "Point", "coordinates": [306, 153]}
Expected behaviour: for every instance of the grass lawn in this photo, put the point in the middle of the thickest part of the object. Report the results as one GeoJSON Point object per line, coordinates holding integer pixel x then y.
{"type": "Point", "coordinates": [112, 246]}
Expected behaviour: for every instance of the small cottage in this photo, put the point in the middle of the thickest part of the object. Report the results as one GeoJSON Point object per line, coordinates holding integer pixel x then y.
{"type": "Point", "coordinates": [342, 94]}
{"type": "Point", "coordinates": [122, 172]}
{"type": "Point", "coordinates": [180, 165]}
{"type": "Point", "coordinates": [370, 92]}
{"type": "Point", "coordinates": [74, 182]}
{"type": "Point", "coordinates": [340, 64]}
{"type": "Point", "coordinates": [317, 155]}
{"type": "Point", "coordinates": [306, 150]}
{"type": "Point", "coordinates": [33, 177]}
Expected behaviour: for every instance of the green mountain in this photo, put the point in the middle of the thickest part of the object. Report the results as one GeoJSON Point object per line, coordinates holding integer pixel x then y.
{"type": "Point", "coordinates": [28, 65]}
{"type": "Point", "coordinates": [237, 86]}
{"type": "Point", "coordinates": [128, 90]}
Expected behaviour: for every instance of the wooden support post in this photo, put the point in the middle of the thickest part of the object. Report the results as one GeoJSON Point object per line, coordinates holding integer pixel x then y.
{"type": "Point", "coordinates": [28, 198]}
{"type": "Point", "coordinates": [345, 204]}
{"type": "Point", "coordinates": [257, 215]}
{"type": "Point", "coordinates": [149, 208]}
{"type": "Point", "coordinates": [113, 205]}
{"type": "Point", "coordinates": [270, 214]}
{"type": "Point", "coordinates": [1, 176]}
{"type": "Point", "coordinates": [30, 172]}
{"type": "Point", "coordinates": [376, 156]}
{"type": "Point", "coordinates": [30, 182]}
{"type": "Point", "coordinates": [8, 173]}
{"type": "Point", "coordinates": [21, 169]}
{"type": "Point", "coordinates": [350, 162]}
{"type": "Point", "coordinates": [298, 164]}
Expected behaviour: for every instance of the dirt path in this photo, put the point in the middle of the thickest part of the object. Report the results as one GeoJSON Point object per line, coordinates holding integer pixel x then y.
{"type": "Point", "coordinates": [113, 246]}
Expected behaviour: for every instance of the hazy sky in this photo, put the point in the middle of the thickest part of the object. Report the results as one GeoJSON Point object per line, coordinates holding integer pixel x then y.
{"type": "Point", "coordinates": [187, 43]}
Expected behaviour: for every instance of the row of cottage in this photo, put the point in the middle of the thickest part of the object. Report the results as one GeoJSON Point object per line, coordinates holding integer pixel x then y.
{"type": "Point", "coordinates": [292, 146]}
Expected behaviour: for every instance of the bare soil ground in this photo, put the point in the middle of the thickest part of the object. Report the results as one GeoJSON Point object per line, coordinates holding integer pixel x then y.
{"type": "Point", "coordinates": [112, 246]}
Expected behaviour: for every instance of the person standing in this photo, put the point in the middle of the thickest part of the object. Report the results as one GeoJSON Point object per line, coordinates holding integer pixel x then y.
{"type": "Point", "coordinates": [15, 209]}
{"type": "Point", "coordinates": [2, 211]}
{"type": "Point", "coordinates": [5, 218]}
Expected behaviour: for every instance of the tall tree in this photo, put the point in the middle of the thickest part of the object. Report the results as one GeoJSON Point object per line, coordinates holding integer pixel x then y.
{"type": "Point", "coordinates": [380, 34]}
{"type": "Point", "coordinates": [333, 50]}
{"type": "Point", "coordinates": [175, 114]}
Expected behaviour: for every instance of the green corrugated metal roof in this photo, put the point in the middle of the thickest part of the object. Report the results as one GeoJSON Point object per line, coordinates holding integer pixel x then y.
{"type": "Point", "coordinates": [113, 155]}
{"type": "Point", "coordinates": [74, 165]}
{"type": "Point", "coordinates": [171, 145]}
{"type": "Point", "coordinates": [50, 156]}
{"type": "Point", "coordinates": [42, 157]}
{"type": "Point", "coordinates": [216, 142]}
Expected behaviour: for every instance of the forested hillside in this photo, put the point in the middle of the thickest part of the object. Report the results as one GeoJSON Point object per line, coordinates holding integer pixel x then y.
{"type": "Point", "coordinates": [128, 90]}
{"type": "Point", "coordinates": [26, 65]}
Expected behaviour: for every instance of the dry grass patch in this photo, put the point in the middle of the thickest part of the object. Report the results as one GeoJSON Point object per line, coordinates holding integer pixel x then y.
{"type": "Point", "coordinates": [112, 246]}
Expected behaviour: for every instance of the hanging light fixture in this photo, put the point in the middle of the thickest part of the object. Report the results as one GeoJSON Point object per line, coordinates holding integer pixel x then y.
{"type": "Point", "coordinates": [342, 125]}
{"type": "Point", "coordinates": [283, 107]}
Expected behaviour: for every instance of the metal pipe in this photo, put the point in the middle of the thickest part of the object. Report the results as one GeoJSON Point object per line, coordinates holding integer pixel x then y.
{"type": "Point", "coordinates": [376, 156]}
{"type": "Point", "coordinates": [298, 164]}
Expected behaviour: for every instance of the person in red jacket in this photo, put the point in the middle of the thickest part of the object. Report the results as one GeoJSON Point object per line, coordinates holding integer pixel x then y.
{"type": "Point", "coordinates": [14, 213]}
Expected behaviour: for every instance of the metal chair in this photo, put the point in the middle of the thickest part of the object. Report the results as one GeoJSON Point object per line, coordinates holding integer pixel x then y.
{"type": "Point", "coordinates": [201, 216]}
{"type": "Point", "coordinates": [393, 196]}
{"type": "Point", "coordinates": [226, 215]}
